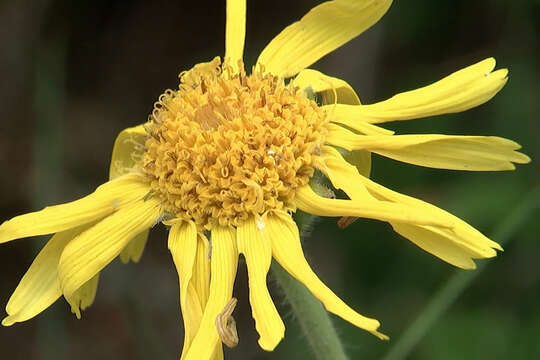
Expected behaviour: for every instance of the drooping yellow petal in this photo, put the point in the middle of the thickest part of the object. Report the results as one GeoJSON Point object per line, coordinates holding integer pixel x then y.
{"type": "Point", "coordinates": [183, 247]}
{"type": "Point", "coordinates": [458, 246]}
{"type": "Point", "coordinates": [332, 89]}
{"type": "Point", "coordinates": [106, 199]}
{"type": "Point", "coordinates": [201, 269]}
{"type": "Point", "coordinates": [235, 32]}
{"type": "Point", "coordinates": [39, 287]}
{"type": "Point", "coordinates": [218, 353]}
{"type": "Point", "coordinates": [93, 249]}
{"type": "Point", "coordinates": [201, 280]}
{"type": "Point", "coordinates": [257, 250]}
{"type": "Point", "coordinates": [308, 201]}
{"type": "Point", "coordinates": [127, 150]}
{"type": "Point", "coordinates": [457, 92]}
{"type": "Point", "coordinates": [134, 249]}
{"type": "Point", "coordinates": [223, 261]}
{"type": "Point", "coordinates": [427, 240]}
{"type": "Point", "coordinates": [473, 153]}
{"type": "Point", "coordinates": [322, 30]}
{"type": "Point", "coordinates": [287, 250]}
{"type": "Point", "coordinates": [84, 296]}
{"type": "Point", "coordinates": [466, 235]}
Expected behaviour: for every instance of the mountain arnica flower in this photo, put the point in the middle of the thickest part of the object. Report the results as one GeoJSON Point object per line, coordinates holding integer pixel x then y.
{"type": "Point", "coordinates": [224, 161]}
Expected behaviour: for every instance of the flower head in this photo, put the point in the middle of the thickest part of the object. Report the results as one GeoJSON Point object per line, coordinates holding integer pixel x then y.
{"type": "Point", "coordinates": [225, 159]}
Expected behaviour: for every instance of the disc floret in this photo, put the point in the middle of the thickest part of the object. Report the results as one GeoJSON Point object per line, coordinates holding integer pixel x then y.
{"type": "Point", "coordinates": [225, 146]}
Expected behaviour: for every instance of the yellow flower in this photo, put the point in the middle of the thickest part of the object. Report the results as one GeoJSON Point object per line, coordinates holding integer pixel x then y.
{"type": "Point", "coordinates": [227, 157]}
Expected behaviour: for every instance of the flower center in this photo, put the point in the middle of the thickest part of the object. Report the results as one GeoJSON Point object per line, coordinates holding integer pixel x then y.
{"type": "Point", "coordinates": [225, 146]}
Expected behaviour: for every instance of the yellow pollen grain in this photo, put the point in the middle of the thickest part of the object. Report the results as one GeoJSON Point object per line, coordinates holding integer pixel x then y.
{"type": "Point", "coordinates": [225, 146]}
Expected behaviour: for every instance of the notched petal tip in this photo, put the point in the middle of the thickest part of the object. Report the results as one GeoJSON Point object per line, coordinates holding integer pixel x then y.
{"type": "Point", "coordinates": [380, 335]}
{"type": "Point", "coordinates": [488, 64]}
{"type": "Point", "coordinates": [522, 158]}
{"type": "Point", "coordinates": [9, 320]}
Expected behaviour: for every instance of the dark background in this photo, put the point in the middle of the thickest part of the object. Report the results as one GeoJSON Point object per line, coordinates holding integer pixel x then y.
{"type": "Point", "coordinates": [74, 74]}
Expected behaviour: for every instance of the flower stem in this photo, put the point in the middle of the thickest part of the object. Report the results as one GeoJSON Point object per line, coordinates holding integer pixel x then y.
{"type": "Point", "coordinates": [450, 291]}
{"type": "Point", "coordinates": [314, 320]}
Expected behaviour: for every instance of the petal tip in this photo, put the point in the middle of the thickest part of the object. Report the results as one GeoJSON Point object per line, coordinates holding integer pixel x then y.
{"type": "Point", "coordinates": [489, 63]}
{"type": "Point", "coordinates": [269, 344]}
{"type": "Point", "coordinates": [8, 321]}
{"type": "Point", "coordinates": [380, 335]}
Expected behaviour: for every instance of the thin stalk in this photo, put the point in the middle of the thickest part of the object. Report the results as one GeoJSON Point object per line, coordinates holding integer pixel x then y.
{"type": "Point", "coordinates": [455, 286]}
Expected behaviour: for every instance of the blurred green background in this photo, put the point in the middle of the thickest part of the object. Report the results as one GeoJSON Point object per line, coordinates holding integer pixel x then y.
{"type": "Point", "coordinates": [75, 73]}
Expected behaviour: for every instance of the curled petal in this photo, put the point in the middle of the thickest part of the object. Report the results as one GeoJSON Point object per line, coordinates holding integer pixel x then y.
{"type": "Point", "coordinates": [128, 148]}
{"type": "Point", "coordinates": [183, 247]}
{"type": "Point", "coordinates": [332, 89]}
{"type": "Point", "coordinates": [223, 265]}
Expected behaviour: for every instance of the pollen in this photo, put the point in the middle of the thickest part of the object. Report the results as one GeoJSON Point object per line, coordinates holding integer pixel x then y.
{"type": "Point", "coordinates": [226, 146]}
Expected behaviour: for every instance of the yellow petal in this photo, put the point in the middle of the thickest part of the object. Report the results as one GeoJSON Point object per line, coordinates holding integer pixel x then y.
{"type": "Point", "coordinates": [457, 92]}
{"type": "Point", "coordinates": [463, 234]}
{"type": "Point", "coordinates": [341, 174]}
{"type": "Point", "coordinates": [344, 114]}
{"type": "Point", "coordinates": [457, 246]}
{"type": "Point", "coordinates": [429, 241]}
{"type": "Point", "coordinates": [127, 150]}
{"type": "Point", "coordinates": [257, 250]}
{"type": "Point", "coordinates": [201, 269]}
{"type": "Point", "coordinates": [308, 201]}
{"type": "Point", "coordinates": [183, 247]}
{"type": "Point", "coordinates": [235, 32]}
{"type": "Point", "coordinates": [322, 30]}
{"type": "Point", "coordinates": [473, 153]}
{"type": "Point", "coordinates": [107, 198]}
{"type": "Point", "coordinates": [93, 249]}
{"type": "Point", "coordinates": [135, 248]}
{"type": "Point", "coordinates": [223, 269]}
{"type": "Point", "coordinates": [332, 89]}
{"type": "Point", "coordinates": [84, 296]}
{"type": "Point", "coordinates": [39, 287]}
{"type": "Point", "coordinates": [287, 250]}
{"type": "Point", "coordinates": [201, 281]}
{"type": "Point", "coordinates": [218, 353]}
{"type": "Point", "coordinates": [361, 160]}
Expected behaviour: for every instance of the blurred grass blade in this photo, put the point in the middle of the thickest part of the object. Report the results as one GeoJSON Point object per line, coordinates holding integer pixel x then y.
{"type": "Point", "coordinates": [455, 286]}
{"type": "Point", "coordinates": [47, 165]}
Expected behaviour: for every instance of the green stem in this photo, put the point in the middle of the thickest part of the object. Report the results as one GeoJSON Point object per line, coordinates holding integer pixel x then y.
{"type": "Point", "coordinates": [314, 320]}
{"type": "Point", "coordinates": [444, 298]}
